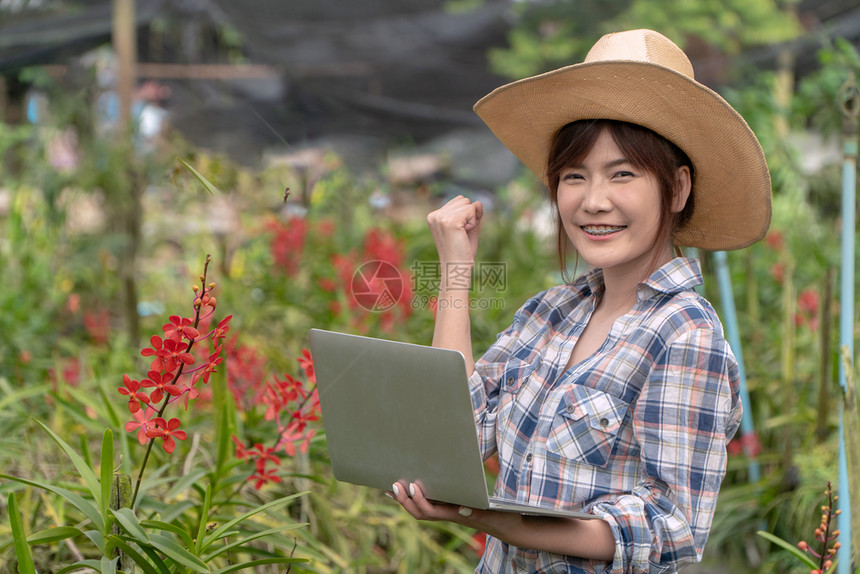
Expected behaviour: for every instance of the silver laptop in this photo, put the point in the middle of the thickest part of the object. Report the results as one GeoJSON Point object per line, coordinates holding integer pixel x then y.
{"type": "Point", "coordinates": [401, 412]}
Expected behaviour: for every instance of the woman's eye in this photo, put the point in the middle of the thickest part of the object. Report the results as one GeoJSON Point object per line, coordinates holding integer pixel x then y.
{"type": "Point", "coordinates": [571, 177]}
{"type": "Point", "coordinates": [624, 174]}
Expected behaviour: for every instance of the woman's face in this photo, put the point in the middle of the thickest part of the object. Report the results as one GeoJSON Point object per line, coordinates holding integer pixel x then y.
{"type": "Point", "coordinates": [610, 210]}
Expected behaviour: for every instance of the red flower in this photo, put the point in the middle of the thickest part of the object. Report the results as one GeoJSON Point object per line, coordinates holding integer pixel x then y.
{"type": "Point", "coordinates": [808, 301]}
{"type": "Point", "coordinates": [777, 271]}
{"type": "Point", "coordinates": [291, 436]}
{"type": "Point", "coordinates": [265, 476]}
{"type": "Point", "coordinates": [775, 240]}
{"type": "Point", "coordinates": [163, 383]}
{"type": "Point", "coordinates": [221, 330]}
{"type": "Point", "coordinates": [209, 368]}
{"type": "Point", "coordinates": [479, 543]}
{"type": "Point", "coordinates": [748, 444]}
{"type": "Point", "coordinates": [306, 362]}
{"type": "Point", "coordinates": [153, 351]}
{"type": "Point", "coordinates": [172, 353]}
{"type": "Point", "coordinates": [280, 394]}
{"type": "Point", "coordinates": [383, 246]}
{"type": "Point", "coordinates": [131, 391]}
{"type": "Point", "coordinates": [141, 422]}
{"type": "Point", "coordinates": [191, 392]}
{"type": "Point", "coordinates": [246, 374]}
{"type": "Point", "coordinates": [97, 325]}
{"type": "Point", "coordinates": [167, 430]}
{"type": "Point", "coordinates": [180, 327]}
{"type": "Point", "coordinates": [288, 244]}
{"type": "Point", "coordinates": [263, 455]}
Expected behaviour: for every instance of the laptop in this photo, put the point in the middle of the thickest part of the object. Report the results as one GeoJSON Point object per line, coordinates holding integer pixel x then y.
{"type": "Point", "coordinates": [396, 411]}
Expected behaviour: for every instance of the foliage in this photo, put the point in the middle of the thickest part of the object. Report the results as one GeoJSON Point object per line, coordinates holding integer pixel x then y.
{"type": "Point", "coordinates": [558, 33]}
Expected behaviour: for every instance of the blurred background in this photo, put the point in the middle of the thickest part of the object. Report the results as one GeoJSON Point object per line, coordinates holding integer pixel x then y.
{"type": "Point", "coordinates": [298, 141]}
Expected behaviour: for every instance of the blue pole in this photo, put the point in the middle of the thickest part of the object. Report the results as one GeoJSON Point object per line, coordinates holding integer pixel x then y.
{"type": "Point", "coordinates": [850, 101]}
{"type": "Point", "coordinates": [733, 332]}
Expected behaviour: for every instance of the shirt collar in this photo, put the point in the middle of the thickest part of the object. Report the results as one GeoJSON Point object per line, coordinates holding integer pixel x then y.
{"type": "Point", "coordinates": [679, 274]}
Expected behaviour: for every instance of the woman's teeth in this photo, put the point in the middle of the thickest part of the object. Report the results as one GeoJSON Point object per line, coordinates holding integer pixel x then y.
{"type": "Point", "coordinates": [601, 229]}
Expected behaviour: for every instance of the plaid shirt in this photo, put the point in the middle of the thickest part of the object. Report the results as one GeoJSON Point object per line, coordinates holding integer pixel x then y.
{"type": "Point", "coordinates": [635, 434]}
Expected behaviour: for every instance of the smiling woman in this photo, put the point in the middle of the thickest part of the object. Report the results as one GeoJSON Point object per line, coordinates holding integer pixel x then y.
{"type": "Point", "coordinates": [653, 157]}
{"type": "Point", "coordinates": [614, 394]}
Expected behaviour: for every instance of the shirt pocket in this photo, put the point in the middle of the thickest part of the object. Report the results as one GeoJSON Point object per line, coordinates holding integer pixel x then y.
{"type": "Point", "coordinates": [586, 425]}
{"type": "Point", "coordinates": [514, 373]}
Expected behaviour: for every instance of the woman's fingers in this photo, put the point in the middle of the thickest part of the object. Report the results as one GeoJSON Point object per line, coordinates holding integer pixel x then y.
{"type": "Point", "coordinates": [412, 499]}
{"type": "Point", "coordinates": [455, 228]}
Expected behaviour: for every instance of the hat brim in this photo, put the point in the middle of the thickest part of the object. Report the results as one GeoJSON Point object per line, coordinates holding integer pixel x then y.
{"type": "Point", "coordinates": [732, 187]}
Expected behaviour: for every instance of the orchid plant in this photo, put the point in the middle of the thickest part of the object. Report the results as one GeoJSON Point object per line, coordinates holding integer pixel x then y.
{"type": "Point", "coordinates": [112, 516]}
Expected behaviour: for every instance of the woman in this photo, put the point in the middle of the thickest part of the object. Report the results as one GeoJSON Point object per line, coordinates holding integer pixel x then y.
{"type": "Point", "coordinates": [615, 394]}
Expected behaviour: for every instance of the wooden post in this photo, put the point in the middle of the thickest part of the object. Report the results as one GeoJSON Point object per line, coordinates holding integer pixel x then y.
{"type": "Point", "coordinates": [120, 497]}
{"type": "Point", "coordinates": [128, 200]}
{"type": "Point", "coordinates": [125, 47]}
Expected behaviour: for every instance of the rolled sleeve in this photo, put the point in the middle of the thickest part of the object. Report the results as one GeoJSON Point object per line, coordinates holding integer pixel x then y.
{"type": "Point", "coordinates": [687, 411]}
{"type": "Point", "coordinates": [484, 383]}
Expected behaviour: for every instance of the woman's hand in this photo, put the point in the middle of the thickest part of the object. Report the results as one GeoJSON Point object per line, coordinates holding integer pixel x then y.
{"type": "Point", "coordinates": [413, 501]}
{"type": "Point", "coordinates": [590, 539]}
{"type": "Point", "coordinates": [455, 229]}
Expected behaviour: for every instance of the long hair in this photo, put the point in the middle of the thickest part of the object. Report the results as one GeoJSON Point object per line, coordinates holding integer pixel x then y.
{"type": "Point", "coordinates": [643, 148]}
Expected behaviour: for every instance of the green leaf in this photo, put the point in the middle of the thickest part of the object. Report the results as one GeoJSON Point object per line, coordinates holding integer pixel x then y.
{"type": "Point", "coordinates": [253, 563]}
{"type": "Point", "coordinates": [106, 471]}
{"type": "Point", "coordinates": [253, 537]}
{"type": "Point", "coordinates": [156, 559]}
{"type": "Point", "coordinates": [84, 470]}
{"type": "Point", "coordinates": [14, 398]}
{"type": "Point", "coordinates": [89, 509]}
{"type": "Point", "coordinates": [177, 553]}
{"type": "Point", "coordinates": [128, 520]}
{"type": "Point", "coordinates": [218, 532]}
{"type": "Point", "coordinates": [94, 564]}
{"type": "Point", "coordinates": [206, 183]}
{"type": "Point", "coordinates": [168, 527]}
{"type": "Point", "coordinates": [54, 534]}
{"type": "Point", "coordinates": [790, 547]}
{"type": "Point", "coordinates": [98, 539]}
{"type": "Point", "coordinates": [204, 518]}
{"type": "Point", "coordinates": [19, 538]}
{"type": "Point", "coordinates": [138, 558]}
{"type": "Point", "coordinates": [181, 485]}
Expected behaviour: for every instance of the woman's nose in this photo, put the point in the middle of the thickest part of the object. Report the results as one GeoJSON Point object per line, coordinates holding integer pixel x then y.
{"type": "Point", "coordinates": [596, 198]}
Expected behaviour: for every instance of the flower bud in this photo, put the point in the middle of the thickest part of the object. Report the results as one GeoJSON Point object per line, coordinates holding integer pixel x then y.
{"type": "Point", "coordinates": [195, 288]}
{"type": "Point", "coordinates": [802, 545]}
{"type": "Point", "coordinates": [828, 564]}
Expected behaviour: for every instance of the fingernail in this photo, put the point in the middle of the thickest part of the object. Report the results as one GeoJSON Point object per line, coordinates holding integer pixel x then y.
{"type": "Point", "coordinates": [395, 489]}
{"type": "Point", "coordinates": [465, 511]}
{"type": "Point", "coordinates": [411, 490]}
{"type": "Point", "coordinates": [388, 494]}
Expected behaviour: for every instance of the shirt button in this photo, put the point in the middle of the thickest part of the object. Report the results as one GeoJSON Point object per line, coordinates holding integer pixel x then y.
{"type": "Point", "coordinates": [604, 422]}
{"type": "Point", "coordinates": [528, 458]}
{"type": "Point", "coordinates": [510, 380]}
{"type": "Point", "coordinates": [570, 408]}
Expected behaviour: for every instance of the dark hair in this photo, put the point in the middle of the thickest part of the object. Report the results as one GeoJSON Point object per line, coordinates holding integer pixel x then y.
{"type": "Point", "coordinates": [644, 148]}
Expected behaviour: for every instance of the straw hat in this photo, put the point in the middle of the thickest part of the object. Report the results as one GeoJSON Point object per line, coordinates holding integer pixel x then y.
{"type": "Point", "coordinates": [641, 77]}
